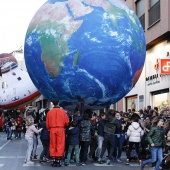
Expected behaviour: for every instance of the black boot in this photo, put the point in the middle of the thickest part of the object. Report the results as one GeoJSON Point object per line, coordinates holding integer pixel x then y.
{"type": "Point", "coordinates": [53, 161]}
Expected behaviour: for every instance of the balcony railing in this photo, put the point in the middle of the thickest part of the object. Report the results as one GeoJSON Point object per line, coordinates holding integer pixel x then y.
{"type": "Point", "coordinates": [154, 13]}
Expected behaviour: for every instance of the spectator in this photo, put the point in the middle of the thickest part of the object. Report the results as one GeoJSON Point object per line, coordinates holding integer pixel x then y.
{"type": "Point", "coordinates": [31, 129]}
{"type": "Point", "coordinates": [156, 140]}
{"type": "Point", "coordinates": [134, 133]}
{"type": "Point", "coordinates": [56, 121]}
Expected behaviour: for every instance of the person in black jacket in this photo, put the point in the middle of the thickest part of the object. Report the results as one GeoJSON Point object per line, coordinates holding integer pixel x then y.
{"type": "Point", "coordinates": [100, 132]}
{"type": "Point", "coordinates": [109, 136]}
{"type": "Point", "coordinates": [73, 141]}
{"type": "Point", "coordinates": [119, 138]}
{"type": "Point", "coordinates": [86, 131]}
{"type": "Point", "coordinates": [8, 127]}
{"type": "Point", "coordinates": [45, 139]}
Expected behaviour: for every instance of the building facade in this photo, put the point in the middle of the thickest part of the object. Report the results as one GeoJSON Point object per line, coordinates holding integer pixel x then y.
{"type": "Point", "coordinates": [153, 86]}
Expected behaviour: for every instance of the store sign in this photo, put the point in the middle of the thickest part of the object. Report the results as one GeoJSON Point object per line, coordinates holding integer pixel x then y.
{"type": "Point", "coordinates": [165, 66]}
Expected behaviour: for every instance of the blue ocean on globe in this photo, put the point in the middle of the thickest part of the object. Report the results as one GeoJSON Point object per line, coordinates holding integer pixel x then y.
{"type": "Point", "coordinates": [93, 50]}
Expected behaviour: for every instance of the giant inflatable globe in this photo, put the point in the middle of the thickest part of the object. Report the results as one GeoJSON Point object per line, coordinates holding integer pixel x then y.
{"type": "Point", "coordinates": [89, 49]}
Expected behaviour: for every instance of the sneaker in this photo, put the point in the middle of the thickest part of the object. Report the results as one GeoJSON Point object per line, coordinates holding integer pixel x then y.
{"type": "Point", "coordinates": [47, 160]}
{"type": "Point", "coordinates": [114, 159]}
{"type": "Point", "coordinates": [141, 166]}
{"type": "Point", "coordinates": [59, 163]}
{"type": "Point", "coordinates": [30, 163]}
{"type": "Point", "coordinates": [41, 160]}
{"type": "Point", "coordinates": [108, 162]}
{"type": "Point", "coordinates": [66, 164]}
{"type": "Point", "coordinates": [34, 158]}
{"type": "Point", "coordinates": [140, 162]}
{"type": "Point", "coordinates": [78, 164]}
{"type": "Point", "coordinates": [119, 160]}
{"type": "Point", "coordinates": [71, 161]}
{"type": "Point", "coordinates": [90, 158]}
{"type": "Point", "coordinates": [83, 163]}
{"type": "Point", "coordinates": [127, 162]}
{"type": "Point", "coordinates": [53, 162]}
{"type": "Point", "coordinates": [100, 161]}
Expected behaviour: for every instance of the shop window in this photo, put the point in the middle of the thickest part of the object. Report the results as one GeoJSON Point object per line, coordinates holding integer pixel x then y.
{"type": "Point", "coordinates": [160, 99]}
{"type": "Point", "coordinates": [154, 12]}
{"type": "Point", "coordinates": [132, 102]}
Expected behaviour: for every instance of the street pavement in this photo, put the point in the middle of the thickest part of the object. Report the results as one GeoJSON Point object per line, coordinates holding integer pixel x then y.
{"type": "Point", "coordinates": [12, 154]}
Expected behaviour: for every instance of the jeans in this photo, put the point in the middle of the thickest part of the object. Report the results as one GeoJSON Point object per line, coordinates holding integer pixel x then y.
{"type": "Point", "coordinates": [9, 132]}
{"type": "Point", "coordinates": [108, 143]}
{"type": "Point", "coordinates": [76, 148]}
{"type": "Point", "coordinates": [46, 152]}
{"type": "Point", "coordinates": [100, 140]}
{"type": "Point", "coordinates": [119, 141]}
{"type": "Point", "coordinates": [35, 143]}
{"type": "Point", "coordinates": [30, 147]}
{"type": "Point", "coordinates": [156, 152]}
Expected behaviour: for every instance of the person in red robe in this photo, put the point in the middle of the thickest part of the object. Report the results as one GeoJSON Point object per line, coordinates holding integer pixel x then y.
{"type": "Point", "coordinates": [56, 121]}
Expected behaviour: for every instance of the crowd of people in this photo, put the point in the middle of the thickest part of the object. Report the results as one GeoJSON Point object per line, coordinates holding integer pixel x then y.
{"type": "Point", "coordinates": [85, 135]}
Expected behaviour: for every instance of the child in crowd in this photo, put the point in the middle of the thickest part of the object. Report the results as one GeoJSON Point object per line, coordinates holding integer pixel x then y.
{"type": "Point", "coordinates": [31, 129]}
{"type": "Point", "coordinates": [45, 139]}
{"type": "Point", "coordinates": [73, 140]}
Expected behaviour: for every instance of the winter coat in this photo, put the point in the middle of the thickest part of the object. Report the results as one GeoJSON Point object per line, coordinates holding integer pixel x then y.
{"type": "Point", "coordinates": [111, 124]}
{"type": "Point", "coordinates": [86, 130]}
{"type": "Point", "coordinates": [156, 136]}
{"type": "Point", "coordinates": [45, 135]}
{"type": "Point", "coordinates": [74, 135]}
{"type": "Point", "coordinates": [135, 132]}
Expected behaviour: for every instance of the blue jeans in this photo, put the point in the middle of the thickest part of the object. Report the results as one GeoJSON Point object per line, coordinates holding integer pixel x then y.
{"type": "Point", "coordinates": [76, 148]}
{"type": "Point", "coordinates": [9, 132]}
{"type": "Point", "coordinates": [100, 140]}
{"type": "Point", "coordinates": [29, 149]}
{"type": "Point", "coordinates": [35, 143]}
{"type": "Point", "coordinates": [156, 152]}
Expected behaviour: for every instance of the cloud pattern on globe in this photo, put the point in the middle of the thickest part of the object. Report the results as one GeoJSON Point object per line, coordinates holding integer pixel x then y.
{"type": "Point", "coordinates": [94, 50]}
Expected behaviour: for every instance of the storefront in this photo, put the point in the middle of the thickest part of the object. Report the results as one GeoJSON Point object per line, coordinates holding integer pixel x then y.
{"type": "Point", "coordinates": [153, 85]}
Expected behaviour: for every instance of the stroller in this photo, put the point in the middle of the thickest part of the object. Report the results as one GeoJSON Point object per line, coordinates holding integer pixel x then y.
{"type": "Point", "coordinates": [166, 162]}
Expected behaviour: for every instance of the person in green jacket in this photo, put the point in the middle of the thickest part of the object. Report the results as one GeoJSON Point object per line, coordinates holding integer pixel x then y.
{"type": "Point", "coordinates": [156, 140]}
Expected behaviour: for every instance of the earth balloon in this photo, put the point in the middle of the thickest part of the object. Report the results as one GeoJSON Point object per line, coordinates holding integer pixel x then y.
{"type": "Point", "coordinates": [93, 50]}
